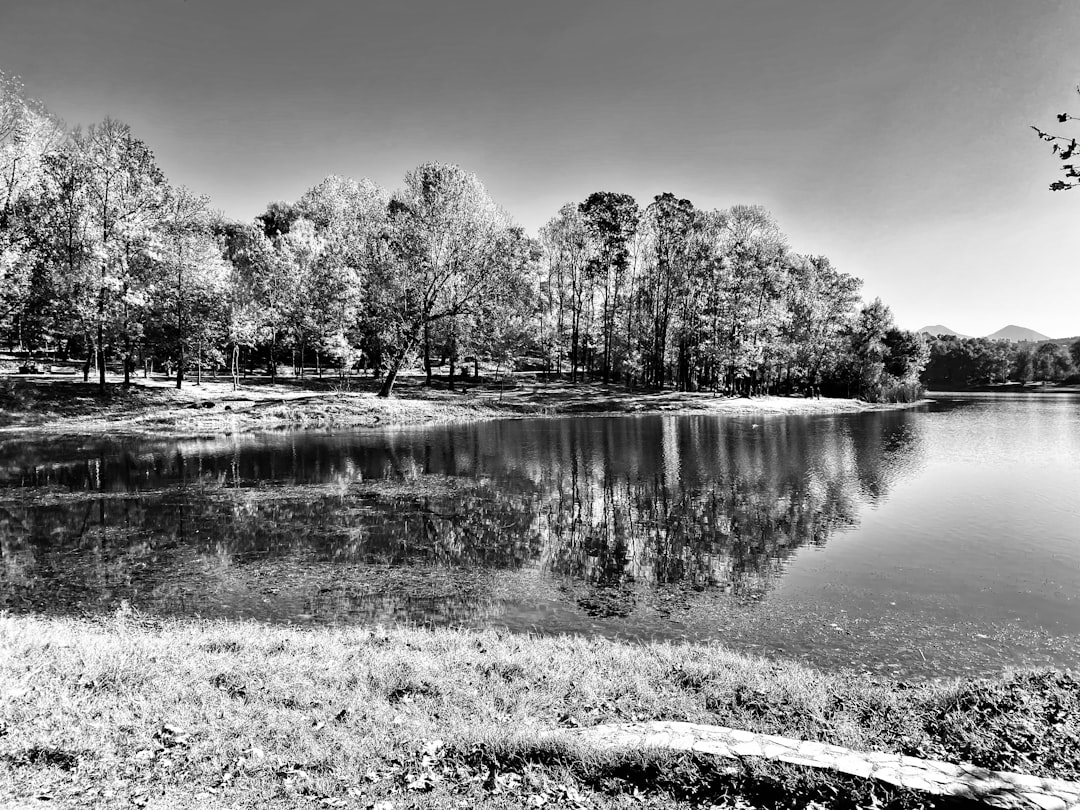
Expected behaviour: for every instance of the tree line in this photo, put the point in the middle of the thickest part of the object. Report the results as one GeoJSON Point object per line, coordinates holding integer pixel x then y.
{"type": "Point", "coordinates": [967, 362]}
{"type": "Point", "coordinates": [103, 259]}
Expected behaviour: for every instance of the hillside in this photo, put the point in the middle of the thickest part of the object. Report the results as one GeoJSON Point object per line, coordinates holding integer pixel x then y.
{"type": "Point", "coordinates": [937, 330]}
{"type": "Point", "coordinates": [1017, 333]}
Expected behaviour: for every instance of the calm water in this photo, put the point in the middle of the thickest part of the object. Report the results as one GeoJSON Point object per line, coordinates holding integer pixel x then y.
{"type": "Point", "coordinates": [925, 542]}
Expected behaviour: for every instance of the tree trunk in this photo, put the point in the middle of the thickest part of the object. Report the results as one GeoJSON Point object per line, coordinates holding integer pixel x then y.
{"type": "Point", "coordinates": [101, 357]}
{"type": "Point", "coordinates": [398, 361]}
{"type": "Point", "coordinates": [180, 366]}
{"type": "Point", "coordinates": [427, 354]}
{"type": "Point", "coordinates": [273, 362]}
{"type": "Point", "coordinates": [391, 377]}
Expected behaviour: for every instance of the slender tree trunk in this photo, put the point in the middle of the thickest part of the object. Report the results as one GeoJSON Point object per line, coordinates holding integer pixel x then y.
{"type": "Point", "coordinates": [127, 359]}
{"type": "Point", "coordinates": [427, 354]}
{"type": "Point", "coordinates": [101, 356]}
{"type": "Point", "coordinates": [180, 366]}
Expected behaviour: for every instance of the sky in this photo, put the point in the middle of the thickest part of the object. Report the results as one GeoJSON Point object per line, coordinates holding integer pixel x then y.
{"type": "Point", "coordinates": [892, 137]}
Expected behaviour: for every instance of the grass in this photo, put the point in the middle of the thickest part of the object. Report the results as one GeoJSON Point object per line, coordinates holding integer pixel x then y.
{"type": "Point", "coordinates": [122, 711]}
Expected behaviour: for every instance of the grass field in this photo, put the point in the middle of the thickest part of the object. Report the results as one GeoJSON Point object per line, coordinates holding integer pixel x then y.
{"type": "Point", "coordinates": [126, 711]}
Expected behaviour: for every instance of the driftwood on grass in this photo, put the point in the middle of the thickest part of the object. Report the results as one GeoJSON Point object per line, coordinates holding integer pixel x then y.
{"type": "Point", "coordinates": [997, 788]}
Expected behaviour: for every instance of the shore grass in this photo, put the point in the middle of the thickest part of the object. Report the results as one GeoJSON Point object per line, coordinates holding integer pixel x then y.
{"type": "Point", "coordinates": [59, 405]}
{"type": "Point", "coordinates": [169, 713]}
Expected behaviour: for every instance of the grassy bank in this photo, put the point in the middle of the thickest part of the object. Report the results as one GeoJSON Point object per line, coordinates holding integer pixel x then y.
{"type": "Point", "coordinates": [60, 405]}
{"type": "Point", "coordinates": [123, 712]}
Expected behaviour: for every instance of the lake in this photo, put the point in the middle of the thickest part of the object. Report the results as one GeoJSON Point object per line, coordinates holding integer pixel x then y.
{"type": "Point", "coordinates": [928, 542]}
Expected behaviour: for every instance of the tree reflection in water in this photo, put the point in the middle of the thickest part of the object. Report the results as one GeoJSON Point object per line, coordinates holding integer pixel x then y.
{"type": "Point", "coordinates": [601, 517]}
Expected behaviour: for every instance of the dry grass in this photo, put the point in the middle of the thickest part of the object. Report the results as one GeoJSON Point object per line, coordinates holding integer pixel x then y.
{"type": "Point", "coordinates": [155, 407]}
{"type": "Point", "coordinates": [181, 713]}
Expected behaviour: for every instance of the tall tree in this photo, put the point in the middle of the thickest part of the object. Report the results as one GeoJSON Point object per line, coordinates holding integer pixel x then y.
{"type": "Point", "coordinates": [565, 243]}
{"type": "Point", "coordinates": [751, 248]}
{"type": "Point", "coordinates": [29, 133]}
{"type": "Point", "coordinates": [821, 301]}
{"type": "Point", "coordinates": [611, 220]}
{"type": "Point", "coordinates": [124, 193]}
{"type": "Point", "coordinates": [669, 222]}
{"type": "Point", "coordinates": [190, 293]}
{"type": "Point", "coordinates": [444, 231]}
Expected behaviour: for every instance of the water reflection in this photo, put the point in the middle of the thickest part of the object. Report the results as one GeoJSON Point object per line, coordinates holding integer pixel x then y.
{"type": "Point", "coordinates": [604, 517]}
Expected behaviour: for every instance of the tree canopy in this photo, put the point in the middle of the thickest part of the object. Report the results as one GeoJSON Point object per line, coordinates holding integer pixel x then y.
{"type": "Point", "coordinates": [103, 259]}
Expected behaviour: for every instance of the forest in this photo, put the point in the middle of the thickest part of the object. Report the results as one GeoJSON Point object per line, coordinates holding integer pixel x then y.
{"type": "Point", "coordinates": [964, 362]}
{"type": "Point", "coordinates": [104, 261]}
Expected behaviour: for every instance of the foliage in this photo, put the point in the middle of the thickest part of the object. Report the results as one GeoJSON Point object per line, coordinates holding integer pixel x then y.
{"type": "Point", "coordinates": [103, 259]}
{"type": "Point", "coordinates": [971, 362]}
{"type": "Point", "coordinates": [1065, 148]}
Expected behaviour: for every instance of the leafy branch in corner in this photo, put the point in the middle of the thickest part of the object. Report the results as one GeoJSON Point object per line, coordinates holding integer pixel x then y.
{"type": "Point", "coordinates": [1064, 147]}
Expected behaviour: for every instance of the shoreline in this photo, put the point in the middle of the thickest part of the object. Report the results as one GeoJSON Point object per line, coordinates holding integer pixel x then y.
{"type": "Point", "coordinates": [211, 713]}
{"type": "Point", "coordinates": [62, 407]}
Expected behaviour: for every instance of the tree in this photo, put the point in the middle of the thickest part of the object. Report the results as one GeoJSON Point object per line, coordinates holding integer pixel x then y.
{"type": "Point", "coordinates": [124, 189]}
{"type": "Point", "coordinates": [611, 220]}
{"type": "Point", "coordinates": [29, 133]}
{"type": "Point", "coordinates": [565, 243]}
{"type": "Point", "coordinates": [750, 250]}
{"type": "Point", "coordinates": [349, 216]}
{"type": "Point", "coordinates": [1051, 362]}
{"type": "Point", "coordinates": [1023, 369]}
{"type": "Point", "coordinates": [670, 222]}
{"type": "Point", "coordinates": [444, 235]}
{"type": "Point", "coordinates": [821, 302]}
{"type": "Point", "coordinates": [884, 363]}
{"type": "Point", "coordinates": [190, 297]}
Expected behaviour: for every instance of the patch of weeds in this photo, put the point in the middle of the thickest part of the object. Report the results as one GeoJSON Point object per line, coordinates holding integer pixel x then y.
{"type": "Point", "coordinates": [231, 684]}
{"type": "Point", "coordinates": [508, 671]}
{"type": "Point", "coordinates": [222, 646]}
{"type": "Point", "coordinates": [1029, 722]}
{"type": "Point", "coordinates": [401, 685]}
{"type": "Point", "coordinates": [44, 756]}
{"type": "Point", "coordinates": [408, 692]}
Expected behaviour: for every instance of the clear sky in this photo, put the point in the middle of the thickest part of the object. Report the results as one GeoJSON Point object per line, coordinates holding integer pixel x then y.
{"type": "Point", "coordinates": [890, 136]}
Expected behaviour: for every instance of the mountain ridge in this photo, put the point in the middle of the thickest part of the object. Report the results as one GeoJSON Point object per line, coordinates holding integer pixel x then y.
{"type": "Point", "coordinates": [1011, 332]}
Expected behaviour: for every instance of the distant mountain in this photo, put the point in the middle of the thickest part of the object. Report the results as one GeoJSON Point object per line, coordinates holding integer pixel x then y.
{"type": "Point", "coordinates": [1017, 333]}
{"type": "Point", "coordinates": [937, 330]}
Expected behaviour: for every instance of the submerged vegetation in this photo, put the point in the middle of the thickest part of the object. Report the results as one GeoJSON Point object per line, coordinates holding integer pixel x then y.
{"type": "Point", "coordinates": [124, 710]}
{"type": "Point", "coordinates": [105, 264]}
